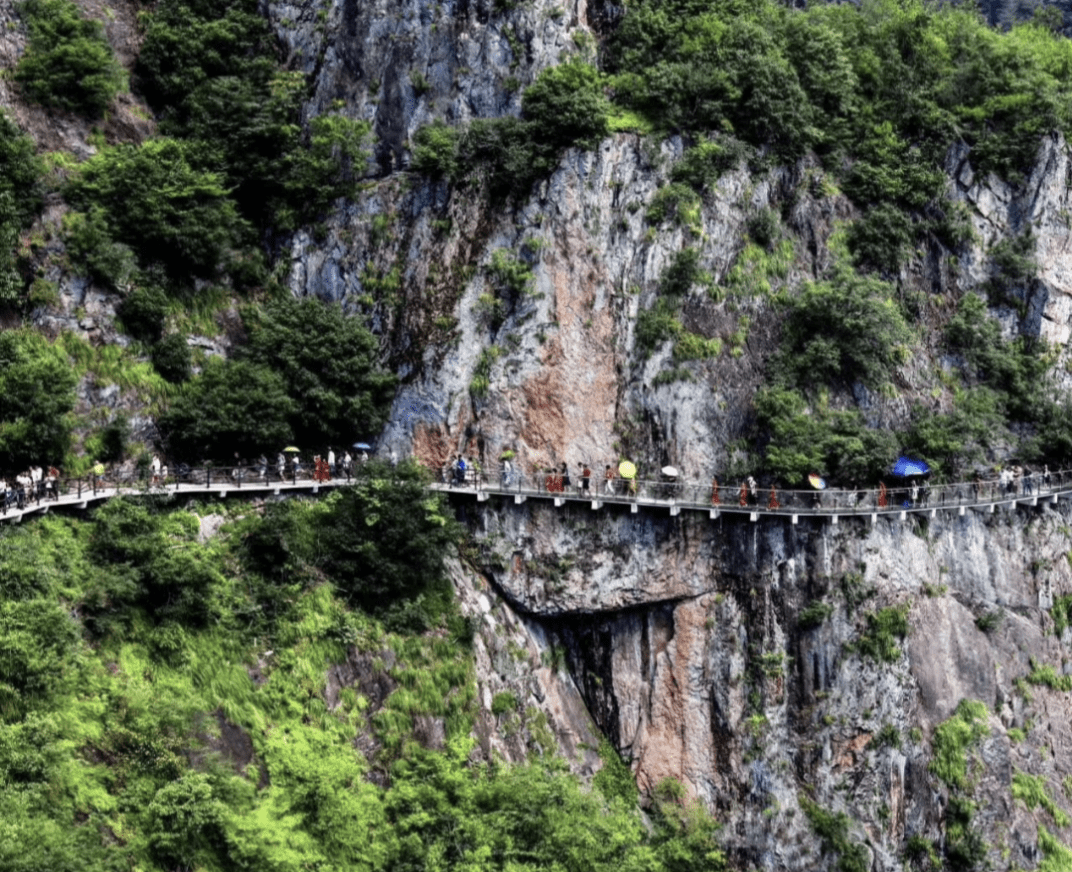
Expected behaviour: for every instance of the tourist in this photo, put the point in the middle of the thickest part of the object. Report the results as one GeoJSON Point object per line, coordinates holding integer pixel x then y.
{"type": "Point", "coordinates": [608, 475]}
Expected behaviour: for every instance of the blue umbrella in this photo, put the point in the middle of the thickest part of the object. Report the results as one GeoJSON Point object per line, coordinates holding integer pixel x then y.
{"type": "Point", "coordinates": [906, 466]}
{"type": "Point", "coordinates": [362, 446]}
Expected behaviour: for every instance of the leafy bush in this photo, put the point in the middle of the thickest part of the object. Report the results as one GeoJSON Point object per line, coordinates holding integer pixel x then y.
{"type": "Point", "coordinates": [1014, 369]}
{"type": "Point", "coordinates": [879, 639]}
{"type": "Point", "coordinates": [881, 239]}
{"type": "Point", "coordinates": [385, 539]}
{"type": "Point", "coordinates": [844, 330]}
{"type": "Point", "coordinates": [675, 204]}
{"type": "Point", "coordinates": [433, 150]}
{"type": "Point", "coordinates": [154, 198]}
{"type": "Point", "coordinates": [814, 614]}
{"type": "Point", "coordinates": [566, 106]}
{"type": "Point", "coordinates": [683, 273]}
{"type": "Point", "coordinates": [36, 394]}
{"type": "Point", "coordinates": [213, 72]}
{"type": "Point", "coordinates": [91, 247]}
{"type": "Point", "coordinates": [328, 364]}
{"type": "Point", "coordinates": [171, 358]}
{"type": "Point", "coordinates": [803, 440]}
{"type": "Point", "coordinates": [691, 346]}
{"type": "Point", "coordinates": [68, 63]}
{"type": "Point", "coordinates": [152, 564]}
{"type": "Point", "coordinates": [20, 200]}
{"type": "Point", "coordinates": [233, 406]}
{"type": "Point", "coordinates": [832, 828]}
{"type": "Point", "coordinates": [950, 442]}
{"type": "Point", "coordinates": [701, 166]}
{"type": "Point", "coordinates": [952, 740]}
{"type": "Point", "coordinates": [143, 312]}
{"type": "Point", "coordinates": [655, 325]}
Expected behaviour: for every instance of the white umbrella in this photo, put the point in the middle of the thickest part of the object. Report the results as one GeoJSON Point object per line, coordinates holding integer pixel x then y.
{"type": "Point", "coordinates": [670, 471]}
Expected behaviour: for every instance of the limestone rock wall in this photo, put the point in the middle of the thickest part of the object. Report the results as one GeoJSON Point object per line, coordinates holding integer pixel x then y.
{"type": "Point", "coordinates": [690, 642]}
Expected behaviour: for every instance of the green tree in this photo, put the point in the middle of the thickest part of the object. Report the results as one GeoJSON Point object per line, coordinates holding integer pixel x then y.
{"type": "Point", "coordinates": [233, 406]}
{"type": "Point", "coordinates": [386, 537]}
{"type": "Point", "coordinates": [328, 363]}
{"type": "Point", "coordinates": [844, 330]}
{"type": "Point", "coordinates": [36, 394]}
{"type": "Point", "coordinates": [566, 105]}
{"type": "Point", "coordinates": [68, 62]}
{"type": "Point", "coordinates": [185, 822]}
{"type": "Point", "coordinates": [156, 201]}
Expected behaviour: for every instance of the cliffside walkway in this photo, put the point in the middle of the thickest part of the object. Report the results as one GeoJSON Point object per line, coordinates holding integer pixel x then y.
{"type": "Point", "coordinates": [214, 483]}
{"type": "Point", "coordinates": [899, 500]}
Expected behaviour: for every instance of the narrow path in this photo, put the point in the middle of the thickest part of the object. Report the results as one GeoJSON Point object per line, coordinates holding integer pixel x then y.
{"type": "Point", "coordinates": [673, 497]}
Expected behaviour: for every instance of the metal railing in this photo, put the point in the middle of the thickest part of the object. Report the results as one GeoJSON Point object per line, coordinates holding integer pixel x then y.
{"type": "Point", "coordinates": [712, 495]}
{"type": "Point", "coordinates": [895, 497]}
{"type": "Point", "coordinates": [183, 479]}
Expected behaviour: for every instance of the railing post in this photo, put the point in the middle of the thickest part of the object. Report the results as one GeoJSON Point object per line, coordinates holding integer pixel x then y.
{"type": "Point", "coordinates": [208, 476]}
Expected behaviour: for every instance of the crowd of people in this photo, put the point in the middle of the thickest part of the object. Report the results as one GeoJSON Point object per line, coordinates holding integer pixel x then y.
{"type": "Point", "coordinates": [34, 484]}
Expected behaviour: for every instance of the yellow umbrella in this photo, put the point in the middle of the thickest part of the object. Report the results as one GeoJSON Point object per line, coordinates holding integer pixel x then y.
{"type": "Point", "coordinates": [626, 469]}
{"type": "Point", "coordinates": [291, 449]}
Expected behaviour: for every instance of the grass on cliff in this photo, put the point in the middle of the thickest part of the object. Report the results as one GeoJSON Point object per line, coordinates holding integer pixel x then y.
{"type": "Point", "coordinates": [954, 738]}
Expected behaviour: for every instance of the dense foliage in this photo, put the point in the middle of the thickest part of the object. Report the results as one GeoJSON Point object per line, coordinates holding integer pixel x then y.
{"type": "Point", "coordinates": [68, 63]}
{"type": "Point", "coordinates": [307, 374]}
{"type": "Point", "coordinates": [212, 72]}
{"type": "Point", "coordinates": [565, 106]}
{"type": "Point", "coordinates": [328, 362]}
{"type": "Point", "coordinates": [153, 199]}
{"type": "Point", "coordinates": [164, 704]}
{"type": "Point", "coordinates": [20, 201]}
{"type": "Point", "coordinates": [36, 395]}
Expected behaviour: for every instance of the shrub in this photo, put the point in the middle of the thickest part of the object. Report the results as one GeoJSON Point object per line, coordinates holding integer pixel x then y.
{"type": "Point", "coordinates": [803, 440]}
{"type": "Point", "coordinates": [68, 62]}
{"type": "Point", "coordinates": [701, 166]}
{"type": "Point", "coordinates": [511, 278]}
{"type": "Point", "coordinates": [113, 439]}
{"type": "Point", "coordinates": [328, 365]}
{"type": "Point", "coordinates": [149, 563]}
{"type": "Point", "coordinates": [814, 614]}
{"type": "Point", "coordinates": [433, 151]}
{"type": "Point", "coordinates": [143, 312]}
{"type": "Point", "coordinates": [385, 540]}
{"type": "Point", "coordinates": [171, 358]}
{"type": "Point", "coordinates": [566, 106]}
{"type": "Point", "coordinates": [654, 326]}
{"type": "Point", "coordinates": [503, 702]}
{"type": "Point", "coordinates": [36, 393]}
{"type": "Point", "coordinates": [675, 204]}
{"type": "Point", "coordinates": [879, 639]}
{"type": "Point", "coordinates": [952, 740]}
{"type": "Point", "coordinates": [683, 273]}
{"type": "Point", "coordinates": [844, 330]}
{"type": "Point", "coordinates": [881, 239]}
{"type": "Point", "coordinates": [690, 346]}
{"type": "Point", "coordinates": [212, 71]}
{"type": "Point", "coordinates": [154, 199]}
{"type": "Point", "coordinates": [90, 246]}
{"type": "Point", "coordinates": [763, 227]}
{"type": "Point", "coordinates": [832, 828]}
{"type": "Point", "coordinates": [233, 406]}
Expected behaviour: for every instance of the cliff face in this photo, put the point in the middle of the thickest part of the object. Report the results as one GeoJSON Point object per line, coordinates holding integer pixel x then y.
{"type": "Point", "coordinates": [754, 662]}
{"type": "Point", "coordinates": [698, 650]}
